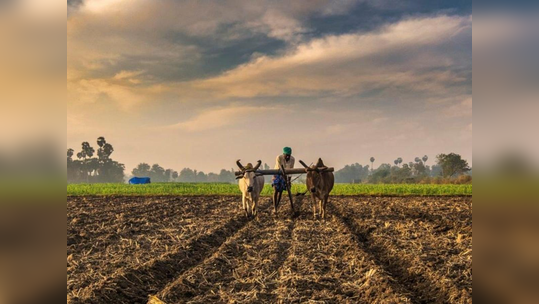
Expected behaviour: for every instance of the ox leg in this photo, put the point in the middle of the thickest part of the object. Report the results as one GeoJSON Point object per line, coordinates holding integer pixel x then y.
{"type": "Point", "coordinates": [321, 205]}
{"type": "Point", "coordinates": [325, 203]}
{"type": "Point", "coordinates": [314, 205]}
{"type": "Point", "coordinates": [249, 207]}
{"type": "Point", "coordinates": [245, 206]}
{"type": "Point", "coordinates": [254, 211]}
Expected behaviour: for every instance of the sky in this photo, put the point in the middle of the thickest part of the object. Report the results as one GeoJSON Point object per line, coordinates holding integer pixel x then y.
{"type": "Point", "coordinates": [201, 84]}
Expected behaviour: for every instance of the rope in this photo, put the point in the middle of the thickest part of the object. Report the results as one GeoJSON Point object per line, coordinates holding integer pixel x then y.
{"type": "Point", "coordinates": [299, 175]}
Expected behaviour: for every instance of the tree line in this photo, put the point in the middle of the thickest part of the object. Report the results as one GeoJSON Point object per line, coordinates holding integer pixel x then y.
{"type": "Point", "coordinates": [186, 175]}
{"type": "Point", "coordinates": [449, 168]}
{"type": "Point", "coordinates": [91, 166]}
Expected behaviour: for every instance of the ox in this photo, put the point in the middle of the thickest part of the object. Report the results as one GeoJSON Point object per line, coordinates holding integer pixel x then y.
{"type": "Point", "coordinates": [320, 182]}
{"type": "Point", "coordinates": [251, 185]}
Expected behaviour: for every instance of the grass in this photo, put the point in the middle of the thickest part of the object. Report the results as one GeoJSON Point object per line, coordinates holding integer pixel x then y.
{"type": "Point", "coordinates": [186, 189]}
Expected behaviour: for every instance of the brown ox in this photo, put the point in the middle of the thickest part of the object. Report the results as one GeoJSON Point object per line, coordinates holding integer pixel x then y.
{"type": "Point", "coordinates": [251, 185]}
{"type": "Point", "coordinates": [320, 182]}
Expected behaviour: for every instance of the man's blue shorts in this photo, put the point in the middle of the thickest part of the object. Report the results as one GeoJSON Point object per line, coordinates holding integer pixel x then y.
{"type": "Point", "coordinates": [278, 183]}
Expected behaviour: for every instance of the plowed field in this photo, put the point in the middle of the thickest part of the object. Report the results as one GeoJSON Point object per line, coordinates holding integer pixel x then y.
{"type": "Point", "coordinates": [203, 250]}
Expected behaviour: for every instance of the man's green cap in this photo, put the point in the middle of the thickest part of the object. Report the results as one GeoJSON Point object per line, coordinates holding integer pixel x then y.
{"type": "Point", "coordinates": [287, 150]}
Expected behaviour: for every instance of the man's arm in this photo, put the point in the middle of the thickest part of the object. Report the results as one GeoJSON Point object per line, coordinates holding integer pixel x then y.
{"type": "Point", "coordinates": [278, 162]}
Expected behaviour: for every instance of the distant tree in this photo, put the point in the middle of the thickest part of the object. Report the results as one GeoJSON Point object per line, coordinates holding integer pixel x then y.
{"type": "Point", "coordinates": [110, 172]}
{"type": "Point", "coordinates": [90, 169]}
{"type": "Point", "coordinates": [226, 176]}
{"type": "Point", "coordinates": [436, 171]}
{"type": "Point", "coordinates": [92, 165]}
{"type": "Point", "coordinates": [425, 159]}
{"type": "Point", "coordinates": [187, 176]}
{"type": "Point", "coordinates": [419, 169]}
{"type": "Point", "coordinates": [87, 166]}
{"type": "Point", "coordinates": [372, 163]}
{"type": "Point", "coordinates": [399, 160]}
{"type": "Point", "coordinates": [417, 159]}
{"type": "Point", "coordinates": [380, 174]}
{"type": "Point", "coordinates": [105, 149]}
{"type": "Point", "coordinates": [169, 175]}
{"type": "Point", "coordinates": [452, 165]}
{"type": "Point", "coordinates": [404, 174]}
{"type": "Point", "coordinates": [142, 170]}
{"type": "Point", "coordinates": [87, 150]}
{"type": "Point", "coordinates": [212, 177]}
{"type": "Point", "coordinates": [157, 174]}
{"type": "Point", "coordinates": [352, 173]}
{"type": "Point", "coordinates": [70, 153]}
{"type": "Point", "coordinates": [396, 162]}
{"type": "Point", "coordinates": [201, 177]}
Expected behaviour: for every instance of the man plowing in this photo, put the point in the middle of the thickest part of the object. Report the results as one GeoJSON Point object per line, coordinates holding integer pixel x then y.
{"type": "Point", "coordinates": [279, 182]}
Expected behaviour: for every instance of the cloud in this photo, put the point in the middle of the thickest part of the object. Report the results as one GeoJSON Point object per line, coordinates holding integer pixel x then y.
{"type": "Point", "coordinates": [129, 76]}
{"type": "Point", "coordinates": [364, 78]}
{"type": "Point", "coordinates": [462, 109]}
{"type": "Point", "coordinates": [122, 92]}
{"type": "Point", "coordinates": [338, 129]}
{"type": "Point", "coordinates": [413, 55]}
{"type": "Point", "coordinates": [73, 6]}
{"type": "Point", "coordinates": [224, 117]}
{"type": "Point", "coordinates": [75, 3]}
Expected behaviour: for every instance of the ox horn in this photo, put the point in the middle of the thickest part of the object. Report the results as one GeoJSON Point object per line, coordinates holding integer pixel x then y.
{"type": "Point", "coordinates": [307, 168]}
{"type": "Point", "coordinates": [259, 163]}
{"type": "Point", "coordinates": [242, 168]}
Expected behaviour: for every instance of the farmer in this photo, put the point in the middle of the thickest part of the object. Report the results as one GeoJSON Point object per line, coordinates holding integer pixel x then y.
{"type": "Point", "coordinates": [278, 182]}
{"type": "Point", "coordinates": [286, 159]}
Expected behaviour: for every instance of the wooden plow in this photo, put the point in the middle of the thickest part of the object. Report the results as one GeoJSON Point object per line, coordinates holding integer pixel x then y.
{"type": "Point", "coordinates": [285, 173]}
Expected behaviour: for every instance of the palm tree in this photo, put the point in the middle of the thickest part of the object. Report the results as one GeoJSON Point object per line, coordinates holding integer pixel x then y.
{"type": "Point", "coordinates": [372, 164]}
{"type": "Point", "coordinates": [396, 162]}
{"type": "Point", "coordinates": [417, 159]}
{"type": "Point", "coordinates": [399, 160]}
{"type": "Point", "coordinates": [105, 149]}
{"type": "Point", "coordinates": [101, 141]}
{"type": "Point", "coordinates": [425, 158]}
{"type": "Point", "coordinates": [87, 149]}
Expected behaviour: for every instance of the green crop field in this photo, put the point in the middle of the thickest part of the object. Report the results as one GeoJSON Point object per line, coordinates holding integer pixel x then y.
{"type": "Point", "coordinates": [165, 189]}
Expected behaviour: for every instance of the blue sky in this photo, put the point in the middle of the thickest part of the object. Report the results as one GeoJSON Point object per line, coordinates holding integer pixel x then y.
{"type": "Point", "coordinates": [202, 83]}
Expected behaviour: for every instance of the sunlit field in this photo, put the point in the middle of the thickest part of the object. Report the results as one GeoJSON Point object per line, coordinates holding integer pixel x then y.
{"type": "Point", "coordinates": [179, 189]}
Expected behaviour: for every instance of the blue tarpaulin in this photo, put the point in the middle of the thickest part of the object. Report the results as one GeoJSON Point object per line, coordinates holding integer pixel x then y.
{"type": "Point", "coordinates": [139, 181]}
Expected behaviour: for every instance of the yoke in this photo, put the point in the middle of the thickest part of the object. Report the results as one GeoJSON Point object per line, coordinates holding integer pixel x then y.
{"type": "Point", "coordinates": [279, 172]}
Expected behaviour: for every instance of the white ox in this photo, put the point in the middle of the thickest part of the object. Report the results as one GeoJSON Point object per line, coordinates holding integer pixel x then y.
{"type": "Point", "coordinates": [251, 185]}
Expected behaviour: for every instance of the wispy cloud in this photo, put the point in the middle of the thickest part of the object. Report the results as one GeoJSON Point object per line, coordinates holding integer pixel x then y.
{"type": "Point", "coordinates": [461, 109]}
{"type": "Point", "coordinates": [225, 117]}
